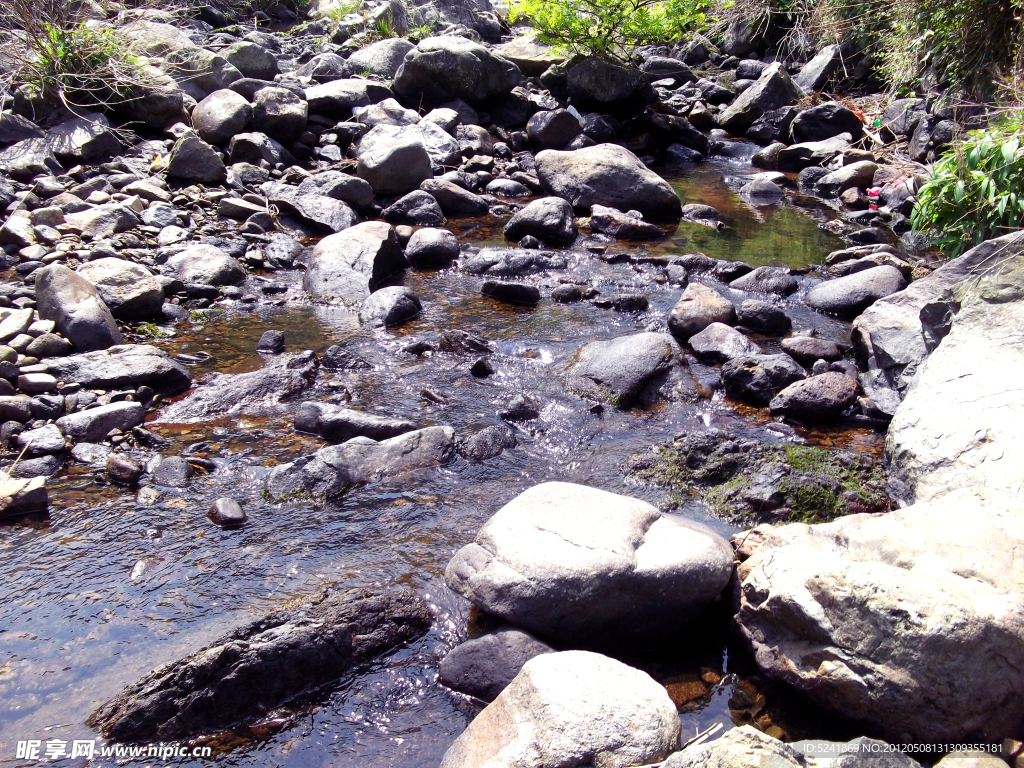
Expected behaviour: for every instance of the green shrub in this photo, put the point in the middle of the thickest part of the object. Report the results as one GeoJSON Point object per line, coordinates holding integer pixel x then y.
{"type": "Point", "coordinates": [609, 28]}
{"type": "Point", "coordinates": [976, 190]}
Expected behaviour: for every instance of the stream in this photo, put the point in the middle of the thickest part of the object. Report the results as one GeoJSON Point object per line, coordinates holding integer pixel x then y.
{"type": "Point", "coordinates": [105, 589]}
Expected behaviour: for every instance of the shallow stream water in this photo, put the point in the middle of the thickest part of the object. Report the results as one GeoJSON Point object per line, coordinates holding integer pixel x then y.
{"type": "Point", "coordinates": [104, 589]}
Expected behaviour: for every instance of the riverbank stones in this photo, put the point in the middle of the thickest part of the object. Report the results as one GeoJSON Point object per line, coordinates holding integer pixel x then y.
{"type": "Point", "coordinates": [588, 568]}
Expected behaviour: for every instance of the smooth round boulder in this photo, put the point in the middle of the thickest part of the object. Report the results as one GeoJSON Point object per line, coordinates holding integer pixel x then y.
{"type": "Point", "coordinates": [130, 291]}
{"type": "Point", "coordinates": [618, 370]}
{"type": "Point", "coordinates": [775, 280]}
{"type": "Point", "coordinates": [609, 175]}
{"type": "Point", "coordinates": [484, 666]}
{"type": "Point", "coordinates": [76, 307]}
{"type": "Point", "coordinates": [390, 306]}
{"type": "Point", "coordinates": [806, 350]}
{"type": "Point", "coordinates": [192, 159]}
{"type": "Point", "coordinates": [572, 708]}
{"type": "Point", "coordinates": [818, 398]}
{"type": "Point", "coordinates": [549, 219]}
{"type": "Point", "coordinates": [381, 59]}
{"type": "Point", "coordinates": [221, 115]}
{"type": "Point", "coordinates": [252, 60]}
{"type": "Point", "coordinates": [589, 568]}
{"type": "Point", "coordinates": [512, 293]}
{"type": "Point", "coordinates": [699, 307]}
{"type": "Point", "coordinates": [719, 343]}
{"type": "Point", "coordinates": [351, 264]}
{"type": "Point", "coordinates": [850, 295]}
{"type": "Point", "coordinates": [430, 247]}
{"type": "Point", "coordinates": [416, 209]}
{"type": "Point", "coordinates": [758, 378]}
{"type": "Point", "coordinates": [763, 317]}
{"type": "Point", "coordinates": [824, 121]}
{"type": "Point", "coordinates": [395, 166]}
{"type": "Point", "coordinates": [205, 264]}
{"type": "Point", "coordinates": [442, 69]}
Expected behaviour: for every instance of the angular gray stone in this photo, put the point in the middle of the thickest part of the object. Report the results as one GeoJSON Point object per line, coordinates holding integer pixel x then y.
{"type": "Point", "coordinates": [609, 175]}
{"type": "Point", "coordinates": [719, 343]}
{"type": "Point", "coordinates": [205, 264]}
{"type": "Point", "coordinates": [192, 159]}
{"type": "Point", "coordinates": [29, 158]}
{"type": "Point", "coordinates": [553, 129]}
{"type": "Point", "coordinates": [455, 202]}
{"type": "Point", "coordinates": [94, 424]}
{"type": "Point", "coordinates": [129, 290]}
{"type": "Point", "coordinates": [857, 175]}
{"type": "Point", "coordinates": [76, 307]}
{"type": "Point", "coordinates": [128, 365]}
{"type": "Point", "coordinates": [381, 59]}
{"type": "Point", "coordinates": [774, 89]}
{"type": "Point", "coordinates": [280, 114]}
{"type": "Point", "coordinates": [775, 280]}
{"type": "Point", "coordinates": [395, 161]}
{"type": "Point", "coordinates": [338, 97]}
{"type": "Point", "coordinates": [251, 60]}
{"type": "Point", "coordinates": [83, 139]}
{"type": "Point", "coordinates": [103, 221]}
{"type": "Point", "coordinates": [418, 208]}
{"type": "Point", "coordinates": [618, 370]}
{"type": "Point", "coordinates": [389, 307]}
{"type": "Point", "coordinates": [611, 221]}
{"type": "Point", "coordinates": [318, 209]}
{"type": "Point", "coordinates": [200, 72]}
{"type": "Point", "coordinates": [342, 424]}
{"type": "Point", "coordinates": [590, 568]}
{"type": "Point", "coordinates": [759, 378]}
{"type": "Point", "coordinates": [820, 69]}
{"type": "Point", "coordinates": [351, 264]}
{"type": "Point", "coordinates": [340, 186]}
{"type": "Point", "coordinates": [699, 307]}
{"type": "Point", "coordinates": [818, 398]}
{"type": "Point", "coordinates": [42, 441]}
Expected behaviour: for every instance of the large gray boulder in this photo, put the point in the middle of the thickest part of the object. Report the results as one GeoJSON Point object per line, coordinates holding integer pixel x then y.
{"type": "Point", "coordinates": [889, 335]}
{"type": "Point", "coordinates": [572, 708]}
{"type": "Point", "coordinates": [341, 186]}
{"type": "Point", "coordinates": [351, 264]}
{"type": "Point", "coordinates": [818, 398]}
{"type": "Point", "coordinates": [394, 161]}
{"type": "Point", "coordinates": [389, 307]}
{"type": "Point", "coordinates": [324, 211]}
{"type": "Point", "coordinates": [588, 568]}
{"type": "Point", "coordinates": [251, 60]}
{"type": "Point", "coordinates": [601, 86]}
{"type": "Point", "coordinates": [961, 423]}
{"type": "Point", "coordinates": [200, 72]}
{"type": "Point", "coordinates": [441, 147]}
{"type": "Point", "coordinates": [192, 159]}
{"type": "Point", "coordinates": [774, 89]}
{"type": "Point", "coordinates": [83, 139]}
{"type": "Point", "coordinates": [850, 295]}
{"type": "Point", "coordinates": [76, 307]}
{"type": "Point", "coordinates": [442, 69]}
{"type": "Point", "coordinates": [698, 307]}
{"type": "Point", "coordinates": [926, 642]}
{"type": "Point", "coordinates": [609, 175]}
{"type": "Point", "coordinates": [221, 115]}
{"type": "Point", "coordinates": [820, 69]}
{"type": "Point", "coordinates": [280, 114]}
{"type": "Point", "coordinates": [338, 97]}
{"type": "Point", "coordinates": [719, 343]}
{"type": "Point", "coordinates": [261, 665]}
{"type": "Point", "coordinates": [129, 290]}
{"type": "Point", "coordinates": [549, 219]}
{"type": "Point", "coordinates": [381, 59]}
{"type": "Point", "coordinates": [103, 221]}
{"type": "Point", "coordinates": [619, 370]}
{"type": "Point", "coordinates": [430, 247]}
{"type": "Point", "coordinates": [825, 120]}
{"type": "Point", "coordinates": [205, 264]}
{"type": "Point", "coordinates": [94, 424]}
{"type": "Point", "coordinates": [127, 365]}
{"type": "Point", "coordinates": [333, 470]}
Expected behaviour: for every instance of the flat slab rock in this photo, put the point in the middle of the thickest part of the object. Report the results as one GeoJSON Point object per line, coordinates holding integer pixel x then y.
{"type": "Point", "coordinates": [122, 366]}
{"type": "Point", "coordinates": [262, 665]}
{"type": "Point", "coordinates": [334, 469]}
{"type": "Point", "coordinates": [589, 568]}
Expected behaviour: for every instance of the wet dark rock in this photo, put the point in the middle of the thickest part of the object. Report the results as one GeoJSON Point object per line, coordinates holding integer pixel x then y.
{"type": "Point", "coordinates": [341, 424]}
{"type": "Point", "coordinates": [255, 148]}
{"type": "Point", "coordinates": [432, 247]}
{"type": "Point", "coordinates": [513, 293]}
{"type": "Point", "coordinates": [522, 407]}
{"type": "Point", "coordinates": [507, 188]}
{"type": "Point", "coordinates": [762, 192]}
{"type": "Point", "coordinates": [390, 306]}
{"type": "Point", "coordinates": [758, 378]}
{"type": "Point", "coordinates": [806, 350]}
{"type": "Point", "coordinates": [752, 481]}
{"type": "Point", "coordinates": [15, 128]}
{"type": "Point", "coordinates": [192, 159]}
{"type": "Point", "coordinates": [775, 280]}
{"type": "Point", "coordinates": [622, 225]}
{"type": "Point", "coordinates": [773, 89]}
{"type": "Point", "coordinates": [697, 308]}
{"type": "Point", "coordinates": [271, 343]}
{"type": "Point", "coordinates": [123, 469]}
{"type": "Point", "coordinates": [696, 262]}
{"type": "Point", "coordinates": [602, 86]}
{"type": "Point", "coordinates": [128, 365]}
{"type": "Point", "coordinates": [418, 209]}
{"type": "Point", "coordinates": [173, 472]}
{"type": "Point", "coordinates": [826, 120]}
{"type": "Point", "coordinates": [677, 275]}
{"type": "Point", "coordinates": [76, 307]}
{"type": "Point", "coordinates": [850, 295]}
{"type": "Point", "coordinates": [609, 175]}
{"type": "Point", "coordinates": [331, 471]}
{"type": "Point", "coordinates": [560, 539]}
{"type": "Point", "coordinates": [462, 343]}
{"type": "Point", "coordinates": [483, 666]}
{"type": "Point", "coordinates": [511, 262]}
{"type": "Point", "coordinates": [553, 129]}
{"type": "Point", "coordinates": [719, 343]}
{"type": "Point", "coordinates": [488, 443]}
{"type": "Point", "coordinates": [350, 264]}
{"type": "Point", "coordinates": [618, 370]}
{"type": "Point", "coordinates": [818, 398]}
{"type": "Point", "coordinates": [41, 441]}
{"type": "Point", "coordinates": [549, 219]}
{"type": "Point", "coordinates": [257, 392]}
{"type": "Point", "coordinates": [42, 466]}
{"type": "Point", "coordinates": [702, 214]}
{"type": "Point", "coordinates": [482, 368]}
{"type": "Point", "coordinates": [340, 358]}
{"type": "Point", "coordinates": [260, 666]}
{"type": "Point", "coordinates": [764, 317]}
{"type": "Point", "coordinates": [455, 202]}
{"type": "Point", "coordinates": [441, 69]}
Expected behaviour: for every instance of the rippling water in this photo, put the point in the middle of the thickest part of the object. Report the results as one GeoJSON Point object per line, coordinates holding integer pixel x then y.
{"type": "Point", "coordinates": [104, 590]}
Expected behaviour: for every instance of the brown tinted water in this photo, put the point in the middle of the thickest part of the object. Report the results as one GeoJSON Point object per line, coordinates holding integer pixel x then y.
{"type": "Point", "coordinates": [104, 590]}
